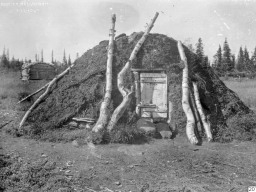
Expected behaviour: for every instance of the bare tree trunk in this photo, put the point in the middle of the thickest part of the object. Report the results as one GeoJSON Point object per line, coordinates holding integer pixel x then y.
{"type": "Point", "coordinates": [206, 124]}
{"type": "Point", "coordinates": [23, 99]}
{"type": "Point", "coordinates": [190, 127]}
{"type": "Point", "coordinates": [43, 95]}
{"type": "Point", "coordinates": [127, 93]}
{"type": "Point", "coordinates": [104, 111]}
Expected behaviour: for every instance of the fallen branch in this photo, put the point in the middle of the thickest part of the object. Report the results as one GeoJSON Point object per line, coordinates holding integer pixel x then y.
{"type": "Point", "coordinates": [126, 92]}
{"type": "Point", "coordinates": [206, 124]}
{"type": "Point", "coordinates": [43, 95]}
{"type": "Point", "coordinates": [34, 93]}
{"type": "Point", "coordinates": [104, 111]}
{"type": "Point", "coordinates": [190, 127]}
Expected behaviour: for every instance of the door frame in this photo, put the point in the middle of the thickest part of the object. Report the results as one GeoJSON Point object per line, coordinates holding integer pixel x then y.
{"type": "Point", "coordinates": [136, 73]}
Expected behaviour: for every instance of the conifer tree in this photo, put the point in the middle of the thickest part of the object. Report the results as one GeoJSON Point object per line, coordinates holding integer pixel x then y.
{"type": "Point", "coordinates": [247, 60]}
{"type": "Point", "coordinates": [52, 57]}
{"type": "Point", "coordinates": [226, 57]}
{"type": "Point", "coordinates": [240, 60]}
{"type": "Point", "coordinates": [200, 52]}
{"type": "Point", "coordinates": [217, 64]}
{"type": "Point", "coordinates": [233, 60]}
{"type": "Point", "coordinates": [42, 56]}
{"type": "Point", "coordinates": [253, 59]}
{"type": "Point", "coordinates": [64, 58]}
{"type": "Point", "coordinates": [4, 60]}
{"type": "Point", "coordinates": [4, 51]}
{"type": "Point", "coordinates": [69, 60]}
{"type": "Point", "coordinates": [7, 55]}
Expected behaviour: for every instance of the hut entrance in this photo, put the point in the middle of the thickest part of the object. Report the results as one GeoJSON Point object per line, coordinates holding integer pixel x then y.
{"type": "Point", "coordinates": [151, 93]}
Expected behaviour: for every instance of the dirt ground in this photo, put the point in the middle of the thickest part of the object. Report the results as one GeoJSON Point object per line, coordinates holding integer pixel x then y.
{"type": "Point", "coordinates": [159, 165]}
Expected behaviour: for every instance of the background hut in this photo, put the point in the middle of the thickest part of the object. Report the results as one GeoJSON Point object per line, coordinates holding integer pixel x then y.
{"type": "Point", "coordinates": [38, 71]}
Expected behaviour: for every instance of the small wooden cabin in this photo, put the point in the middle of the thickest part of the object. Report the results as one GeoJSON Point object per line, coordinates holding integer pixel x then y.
{"type": "Point", "coordinates": [38, 71]}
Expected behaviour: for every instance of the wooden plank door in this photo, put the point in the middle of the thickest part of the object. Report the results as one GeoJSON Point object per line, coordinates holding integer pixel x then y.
{"type": "Point", "coordinates": [153, 89]}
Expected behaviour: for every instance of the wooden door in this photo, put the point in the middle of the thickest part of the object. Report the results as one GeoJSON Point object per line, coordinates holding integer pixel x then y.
{"type": "Point", "coordinates": [153, 89]}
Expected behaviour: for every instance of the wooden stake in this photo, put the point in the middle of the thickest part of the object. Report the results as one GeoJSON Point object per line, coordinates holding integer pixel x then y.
{"type": "Point", "coordinates": [43, 95]}
{"type": "Point", "coordinates": [190, 127]}
{"type": "Point", "coordinates": [206, 124]}
{"type": "Point", "coordinates": [104, 111]}
{"type": "Point", "coordinates": [127, 93]}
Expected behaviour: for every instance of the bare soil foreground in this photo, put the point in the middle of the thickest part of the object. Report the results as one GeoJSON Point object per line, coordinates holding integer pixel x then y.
{"type": "Point", "coordinates": [159, 165]}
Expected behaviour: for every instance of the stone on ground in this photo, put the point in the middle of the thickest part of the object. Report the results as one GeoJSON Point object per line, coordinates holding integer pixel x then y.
{"type": "Point", "coordinates": [146, 125]}
{"type": "Point", "coordinates": [164, 130]}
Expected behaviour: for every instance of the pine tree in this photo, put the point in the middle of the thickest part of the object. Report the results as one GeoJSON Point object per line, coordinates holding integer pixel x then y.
{"type": "Point", "coordinates": [69, 60]}
{"type": "Point", "coordinates": [233, 60]}
{"type": "Point", "coordinates": [7, 55]}
{"type": "Point", "coordinates": [52, 57]}
{"type": "Point", "coordinates": [4, 51]}
{"type": "Point", "coordinates": [253, 59]}
{"type": "Point", "coordinates": [36, 58]}
{"type": "Point", "coordinates": [200, 52]}
{"type": "Point", "coordinates": [206, 61]}
{"type": "Point", "coordinates": [240, 60]}
{"type": "Point", "coordinates": [64, 58]}
{"type": "Point", "coordinates": [42, 56]}
{"type": "Point", "coordinates": [226, 57]}
{"type": "Point", "coordinates": [247, 60]}
{"type": "Point", "coordinates": [4, 60]}
{"type": "Point", "coordinates": [218, 60]}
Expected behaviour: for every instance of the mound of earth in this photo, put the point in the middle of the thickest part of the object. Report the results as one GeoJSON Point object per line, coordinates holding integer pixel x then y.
{"type": "Point", "coordinates": [79, 93]}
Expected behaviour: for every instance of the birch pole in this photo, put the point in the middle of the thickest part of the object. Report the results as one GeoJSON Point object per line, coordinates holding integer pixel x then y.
{"type": "Point", "coordinates": [50, 84]}
{"type": "Point", "coordinates": [206, 124]}
{"type": "Point", "coordinates": [104, 111]}
{"type": "Point", "coordinates": [126, 92]}
{"type": "Point", "coordinates": [190, 127]}
{"type": "Point", "coordinates": [23, 99]}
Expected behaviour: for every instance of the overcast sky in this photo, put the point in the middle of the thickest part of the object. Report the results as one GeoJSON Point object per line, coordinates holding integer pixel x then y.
{"type": "Point", "coordinates": [28, 26]}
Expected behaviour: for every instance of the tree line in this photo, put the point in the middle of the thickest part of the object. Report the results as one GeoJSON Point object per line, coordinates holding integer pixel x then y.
{"type": "Point", "coordinates": [225, 62]}
{"type": "Point", "coordinates": [16, 64]}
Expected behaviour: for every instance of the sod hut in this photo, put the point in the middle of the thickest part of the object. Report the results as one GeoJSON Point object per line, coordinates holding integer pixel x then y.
{"type": "Point", "coordinates": [38, 71]}
{"type": "Point", "coordinates": [80, 92]}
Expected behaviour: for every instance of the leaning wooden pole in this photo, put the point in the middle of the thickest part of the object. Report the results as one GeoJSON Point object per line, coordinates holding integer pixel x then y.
{"type": "Point", "coordinates": [126, 92]}
{"type": "Point", "coordinates": [51, 83]}
{"type": "Point", "coordinates": [206, 124]}
{"type": "Point", "coordinates": [190, 127]}
{"type": "Point", "coordinates": [37, 91]}
{"type": "Point", "coordinates": [104, 109]}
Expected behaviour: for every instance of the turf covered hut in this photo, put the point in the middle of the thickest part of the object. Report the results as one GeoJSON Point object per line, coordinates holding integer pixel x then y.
{"type": "Point", "coordinates": [80, 92]}
{"type": "Point", "coordinates": [38, 71]}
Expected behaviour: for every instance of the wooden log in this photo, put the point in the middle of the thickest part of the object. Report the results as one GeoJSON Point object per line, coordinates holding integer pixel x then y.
{"type": "Point", "coordinates": [190, 127]}
{"type": "Point", "coordinates": [104, 109]}
{"type": "Point", "coordinates": [127, 93]}
{"type": "Point", "coordinates": [137, 89]}
{"type": "Point", "coordinates": [205, 123]}
{"type": "Point", "coordinates": [37, 91]}
{"type": "Point", "coordinates": [194, 109]}
{"type": "Point", "coordinates": [43, 95]}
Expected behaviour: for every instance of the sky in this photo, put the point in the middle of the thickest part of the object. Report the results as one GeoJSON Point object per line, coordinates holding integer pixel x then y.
{"type": "Point", "coordinates": [28, 26]}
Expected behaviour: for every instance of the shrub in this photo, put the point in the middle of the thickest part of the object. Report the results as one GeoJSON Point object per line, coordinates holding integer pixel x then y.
{"type": "Point", "coordinates": [242, 128]}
